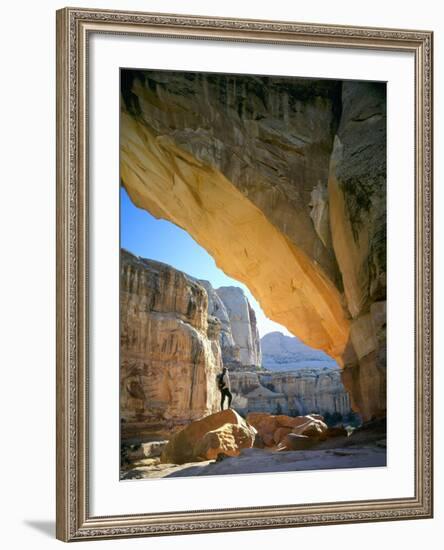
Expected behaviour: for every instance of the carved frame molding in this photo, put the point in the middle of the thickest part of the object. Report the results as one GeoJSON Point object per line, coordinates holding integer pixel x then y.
{"type": "Point", "coordinates": [73, 520]}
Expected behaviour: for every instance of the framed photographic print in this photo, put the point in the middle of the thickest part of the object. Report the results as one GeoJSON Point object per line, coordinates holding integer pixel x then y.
{"type": "Point", "coordinates": [244, 274]}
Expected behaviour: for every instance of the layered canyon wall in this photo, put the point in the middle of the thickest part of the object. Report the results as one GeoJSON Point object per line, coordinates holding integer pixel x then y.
{"type": "Point", "coordinates": [169, 348]}
{"type": "Point", "coordinates": [357, 205]}
{"type": "Point", "coordinates": [239, 336]}
{"type": "Point", "coordinates": [243, 325]}
{"type": "Point", "coordinates": [282, 181]}
{"type": "Point", "coordinates": [294, 393]}
{"type": "Point", "coordinates": [177, 332]}
{"type": "Point", "coordinates": [231, 354]}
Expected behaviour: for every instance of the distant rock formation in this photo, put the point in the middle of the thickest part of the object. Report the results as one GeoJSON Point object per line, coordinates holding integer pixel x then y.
{"type": "Point", "coordinates": [295, 393]}
{"type": "Point", "coordinates": [243, 324]}
{"type": "Point", "coordinates": [281, 353]}
{"type": "Point", "coordinates": [169, 348]}
{"type": "Point", "coordinates": [239, 336]}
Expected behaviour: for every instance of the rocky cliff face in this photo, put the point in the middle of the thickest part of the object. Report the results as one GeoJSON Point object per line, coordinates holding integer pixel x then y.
{"type": "Point", "coordinates": [216, 308]}
{"type": "Point", "coordinates": [357, 202]}
{"type": "Point", "coordinates": [283, 353]}
{"type": "Point", "coordinates": [282, 180]}
{"type": "Point", "coordinates": [239, 336]}
{"type": "Point", "coordinates": [243, 325]}
{"type": "Point", "coordinates": [169, 352]}
{"type": "Point", "coordinates": [296, 393]}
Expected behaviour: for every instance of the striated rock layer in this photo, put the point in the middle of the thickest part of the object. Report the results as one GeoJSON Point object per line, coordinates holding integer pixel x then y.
{"type": "Point", "coordinates": [231, 354]}
{"type": "Point", "coordinates": [169, 353]}
{"type": "Point", "coordinates": [239, 335]}
{"type": "Point", "coordinates": [243, 324]}
{"type": "Point", "coordinates": [296, 393]}
{"type": "Point", "coordinates": [357, 205]}
{"type": "Point", "coordinates": [282, 180]}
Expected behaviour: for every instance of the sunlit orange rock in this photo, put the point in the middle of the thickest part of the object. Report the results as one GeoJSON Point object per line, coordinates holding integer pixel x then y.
{"type": "Point", "coordinates": [274, 428]}
{"type": "Point", "coordinates": [222, 432]}
{"type": "Point", "coordinates": [228, 440]}
{"type": "Point", "coordinates": [169, 352]}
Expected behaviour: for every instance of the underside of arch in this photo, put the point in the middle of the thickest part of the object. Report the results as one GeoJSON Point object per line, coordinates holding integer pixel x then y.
{"type": "Point", "coordinates": [174, 185]}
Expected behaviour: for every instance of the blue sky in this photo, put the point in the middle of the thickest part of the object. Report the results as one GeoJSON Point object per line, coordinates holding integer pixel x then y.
{"type": "Point", "coordinates": [145, 236]}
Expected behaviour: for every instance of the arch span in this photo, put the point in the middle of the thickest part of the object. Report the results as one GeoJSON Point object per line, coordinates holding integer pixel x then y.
{"type": "Point", "coordinates": [172, 184]}
{"type": "Point", "coordinates": [283, 181]}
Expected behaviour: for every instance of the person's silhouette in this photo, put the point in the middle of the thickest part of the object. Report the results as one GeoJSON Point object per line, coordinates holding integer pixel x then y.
{"type": "Point", "coordinates": [225, 388]}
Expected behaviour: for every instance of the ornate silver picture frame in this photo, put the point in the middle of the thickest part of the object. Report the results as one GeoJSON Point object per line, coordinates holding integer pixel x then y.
{"type": "Point", "coordinates": [75, 520]}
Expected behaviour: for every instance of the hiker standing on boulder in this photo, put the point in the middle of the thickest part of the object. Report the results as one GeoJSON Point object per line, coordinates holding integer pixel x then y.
{"type": "Point", "coordinates": [223, 382]}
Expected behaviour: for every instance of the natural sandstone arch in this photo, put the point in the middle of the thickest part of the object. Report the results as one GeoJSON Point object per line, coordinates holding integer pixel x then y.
{"type": "Point", "coordinates": [283, 182]}
{"type": "Point", "coordinates": [173, 185]}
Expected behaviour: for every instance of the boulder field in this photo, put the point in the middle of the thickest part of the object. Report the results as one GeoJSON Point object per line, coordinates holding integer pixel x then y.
{"type": "Point", "coordinates": [226, 443]}
{"type": "Point", "coordinates": [226, 433]}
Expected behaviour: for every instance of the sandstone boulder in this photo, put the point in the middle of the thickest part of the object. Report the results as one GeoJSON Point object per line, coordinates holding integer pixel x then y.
{"type": "Point", "coordinates": [265, 425]}
{"type": "Point", "coordinates": [273, 428]}
{"type": "Point", "coordinates": [297, 442]}
{"type": "Point", "coordinates": [280, 434]}
{"type": "Point", "coordinates": [338, 431]}
{"type": "Point", "coordinates": [258, 442]}
{"type": "Point", "coordinates": [312, 428]}
{"type": "Point", "coordinates": [229, 439]}
{"type": "Point", "coordinates": [188, 444]}
{"type": "Point", "coordinates": [291, 421]}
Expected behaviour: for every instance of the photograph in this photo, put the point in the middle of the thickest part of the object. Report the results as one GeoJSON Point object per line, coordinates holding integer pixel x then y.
{"type": "Point", "coordinates": [253, 261]}
{"type": "Point", "coordinates": [244, 260]}
{"type": "Point", "coordinates": [220, 313]}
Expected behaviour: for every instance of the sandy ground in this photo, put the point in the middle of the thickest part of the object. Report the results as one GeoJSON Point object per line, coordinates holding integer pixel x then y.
{"type": "Point", "coordinates": [264, 461]}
